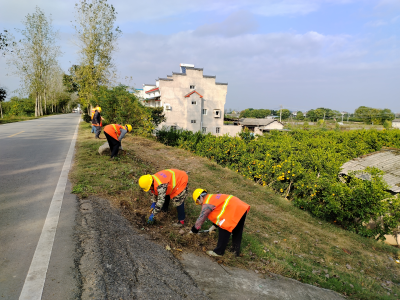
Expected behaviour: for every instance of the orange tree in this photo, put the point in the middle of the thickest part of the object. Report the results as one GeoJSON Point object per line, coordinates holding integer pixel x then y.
{"type": "Point", "coordinates": [303, 166]}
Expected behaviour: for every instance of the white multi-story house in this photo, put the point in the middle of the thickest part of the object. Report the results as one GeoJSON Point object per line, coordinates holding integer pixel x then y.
{"type": "Point", "coordinates": [191, 101]}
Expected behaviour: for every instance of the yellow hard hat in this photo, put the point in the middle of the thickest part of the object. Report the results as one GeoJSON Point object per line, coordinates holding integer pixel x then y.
{"type": "Point", "coordinates": [145, 182]}
{"type": "Point", "coordinates": [197, 193]}
{"type": "Point", "coordinates": [129, 127]}
{"type": "Point", "coordinates": [99, 109]}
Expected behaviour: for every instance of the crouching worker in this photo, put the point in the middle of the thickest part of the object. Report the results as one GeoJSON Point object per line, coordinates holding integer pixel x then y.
{"type": "Point", "coordinates": [165, 186]}
{"type": "Point", "coordinates": [228, 213]}
{"type": "Point", "coordinates": [114, 134]}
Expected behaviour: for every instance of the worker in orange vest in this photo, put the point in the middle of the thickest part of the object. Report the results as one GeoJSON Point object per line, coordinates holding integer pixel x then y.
{"type": "Point", "coordinates": [166, 185]}
{"type": "Point", "coordinates": [114, 134]}
{"type": "Point", "coordinates": [91, 118]}
{"type": "Point", "coordinates": [97, 122]}
{"type": "Point", "coordinates": [227, 212]}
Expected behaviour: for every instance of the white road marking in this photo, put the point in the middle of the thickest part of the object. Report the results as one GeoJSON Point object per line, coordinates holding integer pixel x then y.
{"type": "Point", "coordinates": [34, 281]}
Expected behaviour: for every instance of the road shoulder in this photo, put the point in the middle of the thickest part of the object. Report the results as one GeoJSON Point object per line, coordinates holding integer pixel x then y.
{"type": "Point", "coordinates": [117, 261]}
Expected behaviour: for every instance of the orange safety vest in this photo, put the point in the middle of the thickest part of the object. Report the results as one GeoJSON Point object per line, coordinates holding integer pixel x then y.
{"type": "Point", "coordinates": [93, 111]}
{"type": "Point", "coordinates": [228, 210]}
{"type": "Point", "coordinates": [177, 181]}
{"type": "Point", "coordinates": [113, 130]}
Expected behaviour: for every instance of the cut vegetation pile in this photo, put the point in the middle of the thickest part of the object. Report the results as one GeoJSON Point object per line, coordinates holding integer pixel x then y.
{"type": "Point", "coordinates": [278, 237]}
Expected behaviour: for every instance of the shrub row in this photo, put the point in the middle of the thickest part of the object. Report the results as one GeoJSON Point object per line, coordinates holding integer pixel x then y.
{"type": "Point", "coordinates": [303, 166]}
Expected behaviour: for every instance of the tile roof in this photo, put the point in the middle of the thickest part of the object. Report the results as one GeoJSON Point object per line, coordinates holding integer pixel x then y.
{"type": "Point", "coordinates": [256, 122]}
{"type": "Point", "coordinates": [166, 79]}
{"type": "Point", "coordinates": [152, 98]}
{"type": "Point", "coordinates": [152, 90]}
{"type": "Point", "coordinates": [188, 95]}
{"type": "Point", "coordinates": [387, 160]}
{"type": "Point", "coordinates": [209, 76]}
{"type": "Point", "coordinates": [220, 83]}
{"type": "Point", "coordinates": [175, 73]}
{"type": "Point", "coordinates": [197, 69]}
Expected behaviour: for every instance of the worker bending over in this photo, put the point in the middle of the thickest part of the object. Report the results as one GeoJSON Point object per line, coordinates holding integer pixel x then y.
{"type": "Point", "coordinates": [227, 212]}
{"type": "Point", "coordinates": [97, 122]}
{"type": "Point", "coordinates": [166, 185]}
{"type": "Point", "coordinates": [114, 134]}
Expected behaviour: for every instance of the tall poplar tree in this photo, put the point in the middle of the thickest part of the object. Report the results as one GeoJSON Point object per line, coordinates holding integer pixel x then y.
{"type": "Point", "coordinates": [34, 57]}
{"type": "Point", "coordinates": [97, 38]}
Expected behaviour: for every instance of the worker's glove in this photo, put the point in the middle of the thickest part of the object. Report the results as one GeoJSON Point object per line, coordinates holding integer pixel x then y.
{"type": "Point", "coordinates": [212, 229]}
{"type": "Point", "coordinates": [193, 230]}
{"type": "Point", "coordinates": [152, 207]}
{"type": "Point", "coordinates": [151, 219]}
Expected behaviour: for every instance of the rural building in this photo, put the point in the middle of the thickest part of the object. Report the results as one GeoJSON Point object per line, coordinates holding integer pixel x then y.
{"type": "Point", "coordinates": [396, 123]}
{"type": "Point", "coordinates": [386, 160]}
{"type": "Point", "coordinates": [259, 126]}
{"type": "Point", "coordinates": [191, 101]}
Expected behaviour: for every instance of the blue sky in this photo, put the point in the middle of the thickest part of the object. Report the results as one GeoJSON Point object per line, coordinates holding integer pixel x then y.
{"type": "Point", "coordinates": [300, 54]}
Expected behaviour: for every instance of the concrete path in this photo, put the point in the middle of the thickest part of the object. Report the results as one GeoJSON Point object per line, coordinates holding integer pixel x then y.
{"type": "Point", "coordinates": [32, 155]}
{"type": "Point", "coordinates": [219, 282]}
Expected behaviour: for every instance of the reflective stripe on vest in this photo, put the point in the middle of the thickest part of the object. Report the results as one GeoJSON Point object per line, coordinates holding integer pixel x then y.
{"type": "Point", "coordinates": [208, 198]}
{"type": "Point", "coordinates": [158, 180]}
{"type": "Point", "coordinates": [116, 132]}
{"type": "Point", "coordinates": [173, 178]}
{"type": "Point", "coordinates": [226, 202]}
{"type": "Point", "coordinates": [223, 209]}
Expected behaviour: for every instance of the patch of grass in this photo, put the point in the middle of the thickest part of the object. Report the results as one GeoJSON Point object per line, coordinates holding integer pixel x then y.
{"type": "Point", "coordinates": [13, 119]}
{"type": "Point", "coordinates": [278, 237]}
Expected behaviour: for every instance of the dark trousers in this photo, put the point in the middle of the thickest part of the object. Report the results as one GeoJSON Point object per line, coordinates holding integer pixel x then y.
{"type": "Point", "coordinates": [180, 208]}
{"type": "Point", "coordinates": [223, 238]}
{"type": "Point", "coordinates": [114, 144]}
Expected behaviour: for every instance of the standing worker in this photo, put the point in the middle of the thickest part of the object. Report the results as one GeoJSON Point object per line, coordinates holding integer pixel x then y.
{"type": "Point", "coordinates": [91, 118]}
{"type": "Point", "coordinates": [114, 134]}
{"type": "Point", "coordinates": [96, 122]}
{"type": "Point", "coordinates": [227, 212]}
{"type": "Point", "coordinates": [171, 184]}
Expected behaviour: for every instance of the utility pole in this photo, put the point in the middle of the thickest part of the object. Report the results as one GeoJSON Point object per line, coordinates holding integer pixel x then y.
{"type": "Point", "coordinates": [280, 114]}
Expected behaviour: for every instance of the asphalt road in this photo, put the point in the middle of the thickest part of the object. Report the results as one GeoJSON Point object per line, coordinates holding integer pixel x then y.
{"type": "Point", "coordinates": [32, 156]}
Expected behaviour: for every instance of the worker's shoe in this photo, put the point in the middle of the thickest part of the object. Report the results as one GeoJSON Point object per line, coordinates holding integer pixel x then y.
{"type": "Point", "coordinates": [179, 223]}
{"type": "Point", "coordinates": [212, 253]}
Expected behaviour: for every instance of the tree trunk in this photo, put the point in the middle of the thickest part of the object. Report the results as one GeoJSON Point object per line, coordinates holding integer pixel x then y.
{"type": "Point", "coordinates": [1, 111]}
{"type": "Point", "coordinates": [40, 106]}
{"type": "Point", "coordinates": [45, 103]}
{"type": "Point", "coordinates": [36, 106]}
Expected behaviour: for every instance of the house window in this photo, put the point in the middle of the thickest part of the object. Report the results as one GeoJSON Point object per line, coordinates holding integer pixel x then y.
{"type": "Point", "coordinates": [192, 87]}
{"type": "Point", "coordinates": [217, 129]}
{"type": "Point", "coordinates": [217, 113]}
{"type": "Point", "coordinates": [173, 127]}
{"type": "Point", "coordinates": [204, 111]}
{"type": "Point", "coordinates": [192, 121]}
{"type": "Point", "coordinates": [204, 129]}
{"type": "Point", "coordinates": [194, 102]}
